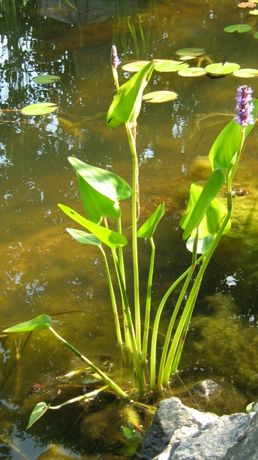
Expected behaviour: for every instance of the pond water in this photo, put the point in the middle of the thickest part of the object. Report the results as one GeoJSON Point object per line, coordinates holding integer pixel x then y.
{"type": "Point", "coordinates": [43, 271]}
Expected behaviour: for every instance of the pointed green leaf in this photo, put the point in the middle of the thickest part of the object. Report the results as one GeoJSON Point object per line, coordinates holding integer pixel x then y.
{"type": "Point", "coordinates": [135, 66]}
{"type": "Point", "coordinates": [156, 97]}
{"type": "Point", "coordinates": [126, 104]}
{"type": "Point", "coordinates": [228, 142]}
{"type": "Point", "coordinates": [164, 65]}
{"type": "Point", "coordinates": [103, 234]}
{"type": "Point", "coordinates": [203, 244]}
{"type": "Point", "coordinates": [194, 215]}
{"type": "Point", "coordinates": [39, 410]}
{"type": "Point", "coordinates": [35, 324]}
{"type": "Point", "coordinates": [83, 237]}
{"type": "Point", "coordinates": [46, 79]}
{"type": "Point", "coordinates": [147, 230]}
{"type": "Point", "coordinates": [41, 108]}
{"type": "Point", "coordinates": [239, 28]}
{"type": "Point", "coordinates": [220, 69]}
{"type": "Point", "coordinates": [105, 182]}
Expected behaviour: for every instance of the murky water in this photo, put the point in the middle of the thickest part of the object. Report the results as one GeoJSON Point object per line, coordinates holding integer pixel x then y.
{"type": "Point", "coordinates": [41, 269]}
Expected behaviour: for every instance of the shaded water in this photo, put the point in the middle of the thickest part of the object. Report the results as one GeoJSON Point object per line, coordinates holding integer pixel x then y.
{"type": "Point", "coordinates": [41, 269]}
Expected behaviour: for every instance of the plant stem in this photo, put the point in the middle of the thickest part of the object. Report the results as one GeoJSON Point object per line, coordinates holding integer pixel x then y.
{"type": "Point", "coordinates": [113, 299]}
{"type": "Point", "coordinates": [120, 252]}
{"type": "Point", "coordinates": [135, 207]}
{"type": "Point", "coordinates": [148, 302]}
{"type": "Point", "coordinates": [96, 369]}
{"type": "Point", "coordinates": [153, 354]}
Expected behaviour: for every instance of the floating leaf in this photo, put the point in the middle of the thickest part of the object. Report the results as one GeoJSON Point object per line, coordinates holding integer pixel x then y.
{"type": "Point", "coordinates": [246, 5]}
{"type": "Point", "coordinates": [135, 66]}
{"type": "Point", "coordinates": [245, 73]}
{"type": "Point", "coordinates": [187, 58]}
{"type": "Point", "coordinates": [160, 96]}
{"type": "Point", "coordinates": [148, 228]}
{"type": "Point", "coordinates": [100, 190]}
{"type": "Point", "coordinates": [103, 234]}
{"type": "Point", "coordinates": [254, 12]}
{"type": "Point", "coordinates": [164, 65]}
{"type": "Point", "coordinates": [46, 79]}
{"type": "Point", "coordinates": [191, 52]}
{"type": "Point", "coordinates": [239, 28]}
{"type": "Point", "coordinates": [83, 237]}
{"type": "Point", "coordinates": [40, 322]}
{"type": "Point", "coordinates": [41, 108]}
{"type": "Point", "coordinates": [126, 104]}
{"type": "Point", "coordinates": [192, 72]}
{"type": "Point", "coordinates": [39, 410]}
{"type": "Point", "coordinates": [219, 68]}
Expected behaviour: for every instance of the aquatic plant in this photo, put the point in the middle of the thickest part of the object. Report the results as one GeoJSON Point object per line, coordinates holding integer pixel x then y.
{"type": "Point", "coordinates": [206, 219]}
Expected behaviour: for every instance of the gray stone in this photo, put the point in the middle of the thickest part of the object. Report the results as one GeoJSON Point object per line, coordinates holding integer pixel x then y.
{"type": "Point", "coordinates": [179, 432]}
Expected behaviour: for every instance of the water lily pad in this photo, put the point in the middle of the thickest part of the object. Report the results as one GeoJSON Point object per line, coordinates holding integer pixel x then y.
{"type": "Point", "coordinates": [166, 65]}
{"type": "Point", "coordinates": [192, 72]}
{"type": "Point", "coordinates": [134, 66]}
{"type": "Point", "coordinates": [239, 28]}
{"type": "Point", "coordinates": [254, 12]}
{"type": "Point", "coordinates": [187, 58]}
{"type": "Point", "coordinates": [246, 5]}
{"type": "Point", "coordinates": [245, 73]}
{"type": "Point", "coordinates": [46, 79]}
{"type": "Point", "coordinates": [41, 108]}
{"type": "Point", "coordinates": [190, 52]}
{"type": "Point", "coordinates": [156, 97]}
{"type": "Point", "coordinates": [219, 68]}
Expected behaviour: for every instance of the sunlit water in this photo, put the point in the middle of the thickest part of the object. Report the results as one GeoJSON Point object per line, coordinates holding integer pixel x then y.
{"type": "Point", "coordinates": [41, 269]}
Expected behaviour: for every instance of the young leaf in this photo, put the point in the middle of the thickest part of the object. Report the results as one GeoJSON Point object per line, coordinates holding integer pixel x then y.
{"type": "Point", "coordinates": [39, 410]}
{"type": "Point", "coordinates": [83, 237]}
{"type": "Point", "coordinates": [126, 104]}
{"type": "Point", "coordinates": [46, 79]}
{"type": "Point", "coordinates": [194, 214]}
{"type": "Point", "coordinates": [156, 97]}
{"type": "Point", "coordinates": [103, 234]}
{"type": "Point", "coordinates": [41, 108]}
{"type": "Point", "coordinates": [228, 142]}
{"type": "Point", "coordinates": [35, 324]}
{"type": "Point", "coordinates": [148, 228]}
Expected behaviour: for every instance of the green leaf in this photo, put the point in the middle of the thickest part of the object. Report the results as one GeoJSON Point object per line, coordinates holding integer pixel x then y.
{"type": "Point", "coordinates": [35, 324]}
{"type": "Point", "coordinates": [39, 410]}
{"type": "Point", "coordinates": [103, 234]}
{"type": "Point", "coordinates": [256, 35]}
{"type": "Point", "coordinates": [164, 65]}
{"type": "Point", "coordinates": [192, 72]}
{"type": "Point", "coordinates": [126, 104]}
{"type": "Point", "coordinates": [100, 190]}
{"type": "Point", "coordinates": [147, 230]}
{"type": "Point", "coordinates": [221, 69]}
{"type": "Point", "coordinates": [197, 210]}
{"type": "Point", "coordinates": [253, 12]}
{"type": "Point", "coordinates": [46, 79]}
{"type": "Point", "coordinates": [228, 142]}
{"type": "Point", "coordinates": [246, 73]}
{"type": "Point", "coordinates": [41, 108]}
{"type": "Point", "coordinates": [83, 237]}
{"type": "Point", "coordinates": [135, 66]}
{"type": "Point", "coordinates": [160, 96]}
{"type": "Point", "coordinates": [239, 28]}
{"type": "Point", "coordinates": [203, 244]}
{"type": "Point", "coordinates": [191, 52]}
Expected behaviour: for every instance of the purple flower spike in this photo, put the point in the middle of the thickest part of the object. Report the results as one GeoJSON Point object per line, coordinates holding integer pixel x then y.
{"type": "Point", "coordinates": [244, 106]}
{"type": "Point", "coordinates": [115, 61]}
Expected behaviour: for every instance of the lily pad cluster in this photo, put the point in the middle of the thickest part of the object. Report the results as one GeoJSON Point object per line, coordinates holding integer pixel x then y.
{"type": "Point", "coordinates": [41, 108]}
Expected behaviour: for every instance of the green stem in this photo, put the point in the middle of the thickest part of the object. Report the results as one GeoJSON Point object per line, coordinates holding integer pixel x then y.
{"type": "Point", "coordinates": [135, 203]}
{"type": "Point", "coordinates": [155, 330]}
{"type": "Point", "coordinates": [96, 369]}
{"type": "Point", "coordinates": [148, 302]}
{"type": "Point", "coordinates": [120, 252]}
{"type": "Point", "coordinates": [113, 299]}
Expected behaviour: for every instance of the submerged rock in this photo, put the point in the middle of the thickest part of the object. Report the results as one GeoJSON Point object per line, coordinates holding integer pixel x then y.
{"type": "Point", "coordinates": [179, 432]}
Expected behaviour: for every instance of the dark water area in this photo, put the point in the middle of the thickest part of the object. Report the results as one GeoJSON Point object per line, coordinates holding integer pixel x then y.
{"type": "Point", "coordinates": [42, 270]}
